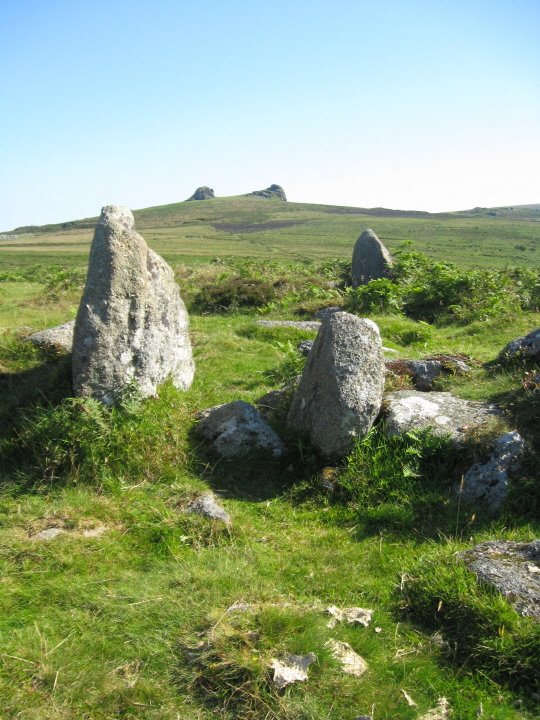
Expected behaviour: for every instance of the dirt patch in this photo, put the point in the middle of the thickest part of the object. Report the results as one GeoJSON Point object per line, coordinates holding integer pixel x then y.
{"type": "Point", "coordinates": [260, 227]}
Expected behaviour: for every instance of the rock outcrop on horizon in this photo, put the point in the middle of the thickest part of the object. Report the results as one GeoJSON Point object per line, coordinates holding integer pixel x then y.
{"type": "Point", "coordinates": [202, 193]}
{"type": "Point", "coordinates": [274, 191]}
{"type": "Point", "coordinates": [370, 260]}
{"type": "Point", "coordinates": [341, 388]}
{"type": "Point", "coordinates": [132, 327]}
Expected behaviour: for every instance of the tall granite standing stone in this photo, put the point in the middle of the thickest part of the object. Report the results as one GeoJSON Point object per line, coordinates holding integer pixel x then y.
{"type": "Point", "coordinates": [132, 325]}
{"type": "Point", "coordinates": [341, 388]}
{"type": "Point", "coordinates": [370, 260]}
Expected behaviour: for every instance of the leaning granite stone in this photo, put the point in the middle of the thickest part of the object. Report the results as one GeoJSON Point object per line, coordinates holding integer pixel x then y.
{"type": "Point", "coordinates": [132, 328]}
{"type": "Point", "coordinates": [208, 506]}
{"type": "Point", "coordinates": [510, 567]}
{"type": "Point", "coordinates": [275, 404]}
{"type": "Point", "coordinates": [407, 410]}
{"type": "Point", "coordinates": [202, 193]}
{"type": "Point", "coordinates": [487, 484]}
{"type": "Point", "coordinates": [340, 391]}
{"type": "Point", "coordinates": [371, 260]}
{"type": "Point", "coordinates": [527, 346]}
{"type": "Point", "coordinates": [274, 191]}
{"type": "Point", "coordinates": [304, 347]}
{"type": "Point", "coordinates": [236, 428]}
{"type": "Point", "coordinates": [310, 325]}
{"type": "Point", "coordinates": [59, 338]}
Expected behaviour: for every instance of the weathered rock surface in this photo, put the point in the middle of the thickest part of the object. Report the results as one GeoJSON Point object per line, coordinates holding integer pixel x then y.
{"type": "Point", "coordinates": [132, 327]}
{"type": "Point", "coordinates": [424, 372]}
{"type": "Point", "coordinates": [512, 568]}
{"type": "Point", "coordinates": [323, 312]}
{"type": "Point", "coordinates": [445, 414]}
{"type": "Point", "coordinates": [371, 260]}
{"type": "Point", "coordinates": [202, 193]}
{"type": "Point", "coordinates": [351, 662]}
{"type": "Point", "coordinates": [275, 404]}
{"type": "Point", "coordinates": [527, 346]}
{"type": "Point", "coordinates": [292, 669]}
{"type": "Point", "coordinates": [236, 428]}
{"type": "Point", "coordinates": [59, 338]}
{"type": "Point", "coordinates": [487, 483]}
{"type": "Point", "coordinates": [208, 506]}
{"type": "Point", "coordinates": [274, 191]}
{"type": "Point", "coordinates": [311, 325]}
{"type": "Point", "coordinates": [341, 388]}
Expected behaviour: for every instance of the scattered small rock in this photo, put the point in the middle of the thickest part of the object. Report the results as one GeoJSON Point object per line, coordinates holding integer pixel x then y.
{"type": "Point", "coordinates": [208, 506]}
{"type": "Point", "coordinates": [202, 193]}
{"type": "Point", "coordinates": [510, 567]}
{"type": "Point", "coordinates": [304, 347]}
{"type": "Point", "coordinates": [407, 410]}
{"type": "Point", "coordinates": [311, 325]}
{"type": "Point", "coordinates": [487, 484]}
{"type": "Point", "coordinates": [371, 260]}
{"type": "Point", "coordinates": [527, 346]}
{"type": "Point", "coordinates": [408, 698]}
{"type": "Point", "coordinates": [292, 669]}
{"type": "Point", "coordinates": [274, 191]}
{"type": "Point", "coordinates": [236, 428]}
{"type": "Point", "coordinates": [340, 391]}
{"type": "Point", "coordinates": [59, 338]}
{"type": "Point", "coordinates": [351, 615]}
{"type": "Point", "coordinates": [351, 662]}
{"type": "Point", "coordinates": [275, 404]}
{"type": "Point", "coordinates": [48, 534]}
{"type": "Point", "coordinates": [424, 372]}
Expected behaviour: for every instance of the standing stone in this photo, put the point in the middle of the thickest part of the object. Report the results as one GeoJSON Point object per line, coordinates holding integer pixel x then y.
{"type": "Point", "coordinates": [132, 326]}
{"type": "Point", "coordinates": [341, 388]}
{"type": "Point", "coordinates": [202, 193]}
{"type": "Point", "coordinates": [370, 260]}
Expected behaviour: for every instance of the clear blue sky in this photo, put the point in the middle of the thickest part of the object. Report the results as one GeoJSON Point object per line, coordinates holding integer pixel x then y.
{"type": "Point", "coordinates": [430, 105]}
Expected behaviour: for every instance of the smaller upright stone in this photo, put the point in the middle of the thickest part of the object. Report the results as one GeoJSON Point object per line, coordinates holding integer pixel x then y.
{"type": "Point", "coordinates": [340, 391]}
{"type": "Point", "coordinates": [202, 193]}
{"type": "Point", "coordinates": [371, 260]}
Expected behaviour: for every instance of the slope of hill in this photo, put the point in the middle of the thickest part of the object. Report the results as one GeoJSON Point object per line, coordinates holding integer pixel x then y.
{"type": "Point", "coordinates": [252, 227]}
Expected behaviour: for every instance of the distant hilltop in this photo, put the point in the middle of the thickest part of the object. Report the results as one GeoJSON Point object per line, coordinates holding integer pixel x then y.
{"type": "Point", "coordinates": [273, 192]}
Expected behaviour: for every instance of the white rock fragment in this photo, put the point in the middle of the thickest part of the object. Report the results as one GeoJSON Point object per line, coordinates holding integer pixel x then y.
{"type": "Point", "coordinates": [206, 505]}
{"type": "Point", "coordinates": [351, 615]}
{"type": "Point", "coordinates": [48, 534]}
{"type": "Point", "coordinates": [441, 712]}
{"type": "Point", "coordinates": [292, 669]}
{"type": "Point", "coordinates": [351, 662]}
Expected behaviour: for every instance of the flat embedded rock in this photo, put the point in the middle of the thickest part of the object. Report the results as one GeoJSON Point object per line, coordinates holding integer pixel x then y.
{"type": "Point", "coordinates": [487, 483]}
{"type": "Point", "coordinates": [370, 260]}
{"type": "Point", "coordinates": [292, 669]}
{"type": "Point", "coordinates": [510, 567]}
{"type": "Point", "coordinates": [527, 346]}
{"type": "Point", "coordinates": [208, 506]}
{"type": "Point", "coordinates": [236, 428]}
{"type": "Point", "coordinates": [341, 388]}
{"type": "Point", "coordinates": [445, 414]}
{"type": "Point", "coordinates": [424, 372]}
{"type": "Point", "coordinates": [132, 327]}
{"type": "Point", "coordinates": [59, 338]}
{"type": "Point", "coordinates": [311, 325]}
{"type": "Point", "coordinates": [351, 662]}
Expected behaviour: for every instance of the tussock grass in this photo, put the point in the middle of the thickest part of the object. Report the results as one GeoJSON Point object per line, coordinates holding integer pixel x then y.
{"type": "Point", "coordinates": [133, 621]}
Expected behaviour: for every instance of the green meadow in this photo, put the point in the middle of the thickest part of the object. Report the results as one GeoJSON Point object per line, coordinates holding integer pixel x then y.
{"type": "Point", "coordinates": [136, 609]}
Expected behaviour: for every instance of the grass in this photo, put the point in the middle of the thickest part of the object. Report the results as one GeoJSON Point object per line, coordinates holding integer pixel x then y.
{"type": "Point", "coordinates": [126, 613]}
{"type": "Point", "coordinates": [248, 227]}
